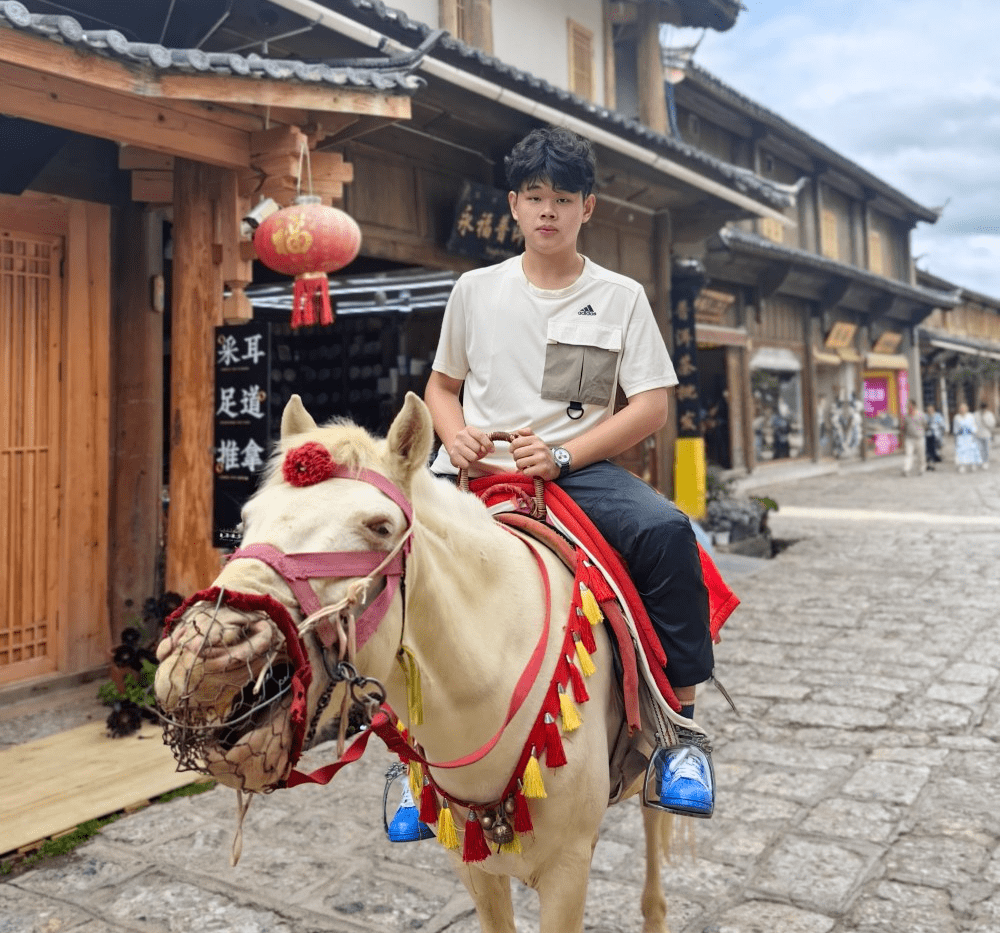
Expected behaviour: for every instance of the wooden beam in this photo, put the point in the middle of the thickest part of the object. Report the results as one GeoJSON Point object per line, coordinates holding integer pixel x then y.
{"type": "Point", "coordinates": [135, 157]}
{"type": "Point", "coordinates": [772, 278]}
{"type": "Point", "coordinates": [130, 120]}
{"type": "Point", "coordinates": [153, 187]}
{"type": "Point", "coordinates": [95, 71]}
{"type": "Point", "coordinates": [834, 292]}
{"type": "Point", "coordinates": [223, 89]}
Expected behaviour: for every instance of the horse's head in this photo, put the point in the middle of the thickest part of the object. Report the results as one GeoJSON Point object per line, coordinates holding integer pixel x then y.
{"type": "Point", "coordinates": [247, 666]}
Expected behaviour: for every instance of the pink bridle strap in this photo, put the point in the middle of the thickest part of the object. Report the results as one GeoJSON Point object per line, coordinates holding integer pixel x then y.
{"type": "Point", "coordinates": [298, 569]}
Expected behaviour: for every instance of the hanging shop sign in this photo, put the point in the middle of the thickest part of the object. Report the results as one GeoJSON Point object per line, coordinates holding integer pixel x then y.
{"type": "Point", "coordinates": [483, 227]}
{"type": "Point", "coordinates": [242, 423]}
{"type": "Point", "coordinates": [887, 343]}
{"type": "Point", "coordinates": [711, 306]}
{"type": "Point", "coordinates": [841, 335]}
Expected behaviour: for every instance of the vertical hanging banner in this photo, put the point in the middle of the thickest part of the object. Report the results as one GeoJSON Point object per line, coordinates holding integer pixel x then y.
{"type": "Point", "coordinates": [683, 291]}
{"type": "Point", "coordinates": [242, 424]}
{"type": "Point", "coordinates": [690, 483]}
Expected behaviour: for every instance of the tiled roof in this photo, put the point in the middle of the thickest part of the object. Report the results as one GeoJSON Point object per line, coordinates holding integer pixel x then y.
{"type": "Point", "coordinates": [397, 25]}
{"type": "Point", "coordinates": [112, 44]}
{"type": "Point", "coordinates": [733, 238]}
{"type": "Point", "coordinates": [698, 76]}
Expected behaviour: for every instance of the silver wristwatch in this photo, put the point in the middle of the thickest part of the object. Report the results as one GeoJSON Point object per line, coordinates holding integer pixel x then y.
{"type": "Point", "coordinates": [563, 459]}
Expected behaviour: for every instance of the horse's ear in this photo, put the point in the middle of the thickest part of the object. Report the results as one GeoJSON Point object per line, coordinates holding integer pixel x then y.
{"type": "Point", "coordinates": [411, 434]}
{"type": "Point", "coordinates": [295, 419]}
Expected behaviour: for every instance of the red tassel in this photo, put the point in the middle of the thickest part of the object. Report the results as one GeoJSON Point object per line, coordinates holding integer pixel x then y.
{"type": "Point", "coordinates": [522, 815]}
{"type": "Point", "coordinates": [476, 849]}
{"type": "Point", "coordinates": [555, 754]}
{"type": "Point", "coordinates": [598, 585]}
{"type": "Point", "coordinates": [587, 636]}
{"type": "Point", "coordinates": [311, 300]}
{"type": "Point", "coordinates": [428, 804]}
{"type": "Point", "coordinates": [576, 679]}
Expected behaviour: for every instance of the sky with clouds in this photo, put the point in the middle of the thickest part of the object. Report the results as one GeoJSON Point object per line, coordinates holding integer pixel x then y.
{"type": "Point", "coordinates": [908, 89]}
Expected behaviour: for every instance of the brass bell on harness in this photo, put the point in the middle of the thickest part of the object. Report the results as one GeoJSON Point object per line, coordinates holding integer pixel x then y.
{"type": "Point", "coordinates": [503, 832]}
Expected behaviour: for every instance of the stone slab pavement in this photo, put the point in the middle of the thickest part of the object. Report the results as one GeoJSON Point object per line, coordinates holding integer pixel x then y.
{"type": "Point", "coordinates": [857, 789]}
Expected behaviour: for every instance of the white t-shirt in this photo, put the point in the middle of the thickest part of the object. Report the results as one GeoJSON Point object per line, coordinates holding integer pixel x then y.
{"type": "Point", "coordinates": [525, 353]}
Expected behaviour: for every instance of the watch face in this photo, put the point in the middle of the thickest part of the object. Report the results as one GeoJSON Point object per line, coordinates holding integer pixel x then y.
{"type": "Point", "coordinates": [561, 456]}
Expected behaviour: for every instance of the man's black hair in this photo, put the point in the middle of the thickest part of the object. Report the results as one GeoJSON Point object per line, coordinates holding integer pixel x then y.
{"type": "Point", "coordinates": [555, 155]}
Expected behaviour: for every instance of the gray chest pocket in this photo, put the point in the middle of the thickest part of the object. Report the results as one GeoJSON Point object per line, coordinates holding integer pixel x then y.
{"type": "Point", "coordinates": [581, 362]}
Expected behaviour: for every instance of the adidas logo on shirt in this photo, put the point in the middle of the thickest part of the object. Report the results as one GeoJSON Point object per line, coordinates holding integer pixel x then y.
{"type": "Point", "coordinates": [588, 311]}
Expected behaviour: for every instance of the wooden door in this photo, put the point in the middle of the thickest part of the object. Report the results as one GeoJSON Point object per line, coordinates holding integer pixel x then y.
{"type": "Point", "coordinates": [31, 325]}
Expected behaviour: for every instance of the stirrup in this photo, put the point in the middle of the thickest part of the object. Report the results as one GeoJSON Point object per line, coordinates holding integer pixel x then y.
{"type": "Point", "coordinates": [405, 825]}
{"type": "Point", "coordinates": [700, 802]}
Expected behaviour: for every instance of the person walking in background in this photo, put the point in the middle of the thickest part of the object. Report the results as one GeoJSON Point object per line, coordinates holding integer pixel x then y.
{"type": "Point", "coordinates": [914, 443]}
{"type": "Point", "coordinates": [986, 422]}
{"type": "Point", "coordinates": [966, 446]}
{"type": "Point", "coordinates": [934, 436]}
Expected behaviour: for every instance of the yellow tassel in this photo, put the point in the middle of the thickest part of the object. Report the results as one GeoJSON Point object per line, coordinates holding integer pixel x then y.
{"type": "Point", "coordinates": [570, 716]}
{"type": "Point", "coordinates": [531, 782]}
{"type": "Point", "coordinates": [512, 848]}
{"type": "Point", "coordinates": [414, 694]}
{"type": "Point", "coordinates": [590, 608]}
{"type": "Point", "coordinates": [586, 664]}
{"type": "Point", "coordinates": [446, 828]}
{"type": "Point", "coordinates": [416, 779]}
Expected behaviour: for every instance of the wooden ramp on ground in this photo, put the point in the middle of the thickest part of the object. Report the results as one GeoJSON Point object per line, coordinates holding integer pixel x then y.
{"type": "Point", "coordinates": [54, 784]}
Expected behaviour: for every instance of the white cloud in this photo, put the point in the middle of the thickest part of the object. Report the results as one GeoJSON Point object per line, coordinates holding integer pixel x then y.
{"type": "Point", "coordinates": [908, 89]}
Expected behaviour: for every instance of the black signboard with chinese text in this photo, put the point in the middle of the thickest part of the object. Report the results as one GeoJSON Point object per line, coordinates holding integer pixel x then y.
{"type": "Point", "coordinates": [242, 423]}
{"type": "Point", "coordinates": [684, 289]}
{"type": "Point", "coordinates": [483, 227]}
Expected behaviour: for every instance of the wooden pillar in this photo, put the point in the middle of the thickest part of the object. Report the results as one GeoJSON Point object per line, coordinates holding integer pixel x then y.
{"type": "Point", "coordinates": [810, 419]}
{"type": "Point", "coordinates": [83, 579]}
{"type": "Point", "coordinates": [137, 411]}
{"type": "Point", "coordinates": [652, 96]}
{"type": "Point", "coordinates": [737, 416]}
{"type": "Point", "coordinates": [196, 309]}
{"type": "Point", "coordinates": [666, 437]}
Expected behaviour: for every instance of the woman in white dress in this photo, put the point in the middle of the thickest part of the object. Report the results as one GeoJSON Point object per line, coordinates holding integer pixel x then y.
{"type": "Point", "coordinates": [966, 448]}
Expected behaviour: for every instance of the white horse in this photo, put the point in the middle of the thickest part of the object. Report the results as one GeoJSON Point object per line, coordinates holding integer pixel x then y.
{"type": "Point", "coordinates": [469, 618]}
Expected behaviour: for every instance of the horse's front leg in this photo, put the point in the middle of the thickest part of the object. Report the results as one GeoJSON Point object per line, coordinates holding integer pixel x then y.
{"type": "Point", "coordinates": [654, 902]}
{"type": "Point", "coordinates": [562, 889]}
{"type": "Point", "coordinates": [491, 895]}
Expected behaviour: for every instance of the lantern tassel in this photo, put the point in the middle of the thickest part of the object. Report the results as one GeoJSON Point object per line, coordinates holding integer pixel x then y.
{"type": "Point", "coordinates": [311, 295]}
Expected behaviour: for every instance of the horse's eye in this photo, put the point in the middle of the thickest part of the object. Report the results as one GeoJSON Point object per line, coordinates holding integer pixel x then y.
{"type": "Point", "coordinates": [379, 526]}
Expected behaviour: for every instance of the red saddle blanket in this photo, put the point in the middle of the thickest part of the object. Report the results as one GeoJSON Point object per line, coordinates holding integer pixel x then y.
{"type": "Point", "coordinates": [722, 600]}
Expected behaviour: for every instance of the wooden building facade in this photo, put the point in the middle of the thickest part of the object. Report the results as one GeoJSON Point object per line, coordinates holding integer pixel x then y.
{"type": "Point", "coordinates": [122, 249]}
{"type": "Point", "coordinates": [806, 329]}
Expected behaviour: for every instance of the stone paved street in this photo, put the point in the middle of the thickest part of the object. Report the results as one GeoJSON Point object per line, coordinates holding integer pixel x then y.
{"type": "Point", "coordinates": [857, 790]}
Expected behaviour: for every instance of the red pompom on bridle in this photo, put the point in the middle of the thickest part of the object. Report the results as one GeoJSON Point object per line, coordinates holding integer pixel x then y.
{"type": "Point", "coordinates": [307, 465]}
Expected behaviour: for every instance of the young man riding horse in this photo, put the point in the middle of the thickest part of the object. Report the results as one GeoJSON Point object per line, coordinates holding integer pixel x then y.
{"type": "Point", "coordinates": [537, 346]}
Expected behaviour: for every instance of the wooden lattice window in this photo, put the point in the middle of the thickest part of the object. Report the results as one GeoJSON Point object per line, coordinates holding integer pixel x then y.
{"type": "Point", "coordinates": [469, 20]}
{"type": "Point", "coordinates": [876, 256]}
{"type": "Point", "coordinates": [30, 335]}
{"type": "Point", "coordinates": [829, 234]}
{"type": "Point", "coordinates": [773, 229]}
{"type": "Point", "coordinates": [581, 59]}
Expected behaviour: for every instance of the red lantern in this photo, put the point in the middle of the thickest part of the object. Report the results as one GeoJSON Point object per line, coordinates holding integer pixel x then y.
{"type": "Point", "coordinates": [308, 240]}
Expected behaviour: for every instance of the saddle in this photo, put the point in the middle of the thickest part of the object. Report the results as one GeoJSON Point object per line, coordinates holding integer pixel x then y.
{"type": "Point", "coordinates": [645, 696]}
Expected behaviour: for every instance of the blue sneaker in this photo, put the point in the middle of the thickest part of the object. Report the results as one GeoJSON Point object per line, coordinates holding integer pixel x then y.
{"type": "Point", "coordinates": [406, 825]}
{"type": "Point", "coordinates": [687, 781]}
